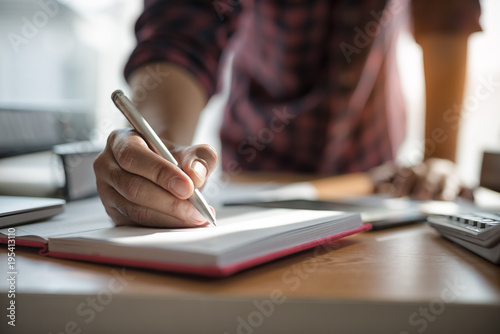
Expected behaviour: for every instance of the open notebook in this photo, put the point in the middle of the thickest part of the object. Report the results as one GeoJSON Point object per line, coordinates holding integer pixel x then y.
{"type": "Point", "coordinates": [244, 237]}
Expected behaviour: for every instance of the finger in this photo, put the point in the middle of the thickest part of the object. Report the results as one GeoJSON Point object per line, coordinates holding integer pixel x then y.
{"type": "Point", "coordinates": [428, 186]}
{"type": "Point", "coordinates": [383, 174]}
{"type": "Point", "coordinates": [124, 212]}
{"type": "Point", "coordinates": [198, 162]}
{"type": "Point", "coordinates": [134, 156]}
{"type": "Point", "coordinates": [143, 192]}
{"type": "Point", "coordinates": [382, 178]}
{"type": "Point", "coordinates": [384, 188]}
{"type": "Point", "coordinates": [115, 206]}
{"type": "Point", "coordinates": [451, 188]}
{"type": "Point", "coordinates": [138, 190]}
{"type": "Point", "coordinates": [467, 193]}
{"type": "Point", "coordinates": [404, 181]}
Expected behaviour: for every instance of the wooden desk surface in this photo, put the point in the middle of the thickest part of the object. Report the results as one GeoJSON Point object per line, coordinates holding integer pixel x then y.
{"type": "Point", "coordinates": [404, 264]}
{"type": "Point", "coordinates": [401, 269]}
{"type": "Point", "coordinates": [401, 280]}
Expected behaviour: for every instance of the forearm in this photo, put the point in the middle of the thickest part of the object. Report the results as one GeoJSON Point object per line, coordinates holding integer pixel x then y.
{"type": "Point", "coordinates": [445, 59]}
{"type": "Point", "coordinates": [170, 99]}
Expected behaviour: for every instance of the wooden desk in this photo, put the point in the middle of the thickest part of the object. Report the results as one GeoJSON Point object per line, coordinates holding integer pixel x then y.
{"type": "Point", "coordinates": [403, 280]}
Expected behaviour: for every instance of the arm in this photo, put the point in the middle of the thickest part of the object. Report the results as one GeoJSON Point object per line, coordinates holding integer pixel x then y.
{"type": "Point", "coordinates": [174, 105]}
{"type": "Point", "coordinates": [174, 67]}
{"type": "Point", "coordinates": [445, 59]}
{"type": "Point", "coordinates": [172, 73]}
{"type": "Point", "coordinates": [437, 176]}
{"type": "Point", "coordinates": [442, 29]}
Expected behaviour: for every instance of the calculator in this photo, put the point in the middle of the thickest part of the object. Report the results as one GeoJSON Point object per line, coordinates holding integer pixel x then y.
{"type": "Point", "coordinates": [479, 232]}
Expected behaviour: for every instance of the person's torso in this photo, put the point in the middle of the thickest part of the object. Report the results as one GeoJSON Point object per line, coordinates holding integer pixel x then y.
{"type": "Point", "coordinates": [309, 87]}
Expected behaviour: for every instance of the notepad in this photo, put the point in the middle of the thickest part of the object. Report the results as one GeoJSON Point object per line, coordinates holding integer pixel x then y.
{"type": "Point", "coordinates": [244, 237]}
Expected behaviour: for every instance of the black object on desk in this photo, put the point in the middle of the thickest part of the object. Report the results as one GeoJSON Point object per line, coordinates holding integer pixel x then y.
{"type": "Point", "coordinates": [78, 159]}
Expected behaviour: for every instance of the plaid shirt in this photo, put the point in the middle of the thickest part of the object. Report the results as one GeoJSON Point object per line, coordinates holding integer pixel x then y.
{"type": "Point", "coordinates": [310, 79]}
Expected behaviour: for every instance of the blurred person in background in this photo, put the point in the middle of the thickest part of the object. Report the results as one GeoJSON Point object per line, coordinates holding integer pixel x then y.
{"type": "Point", "coordinates": [314, 89]}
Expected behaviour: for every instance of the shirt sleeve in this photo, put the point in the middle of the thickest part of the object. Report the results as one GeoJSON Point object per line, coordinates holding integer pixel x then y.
{"type": "Point", "coordinates": [445, 17]}
{"type": "Point", "coordinates": [190, 34]}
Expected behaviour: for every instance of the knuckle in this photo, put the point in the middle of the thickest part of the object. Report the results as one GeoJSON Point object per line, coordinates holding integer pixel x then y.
{"type": "Point", "coordinates": [100, 191]}
{"type": "Point", "coordinates": [207, 149]}
{"type": "Point", "coordinates": [175, 208]}
{"type": "Point", "coordinates": [114, 176]}
{"type": "Point", "coordinates": [97, 165]}
{"type": "Point", "coordinates": [161, 174]}
{"type": "Point", "coordinates": [206, 152]}
{"type": "Point", "coordinates": [112, 137]}
{"type": "Point", "coordinates": [101, 163]}
{"type": "Point", "coordinates": [117, 217]}
{"type": "Point", "coordinates": [133, 189]}
{"type": "Point", "coordinates": [138, 213]}
{"type": "Point", "coordinates": [125, 156]}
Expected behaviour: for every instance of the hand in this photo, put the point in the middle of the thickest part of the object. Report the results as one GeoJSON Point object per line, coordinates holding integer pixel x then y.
{"type": "Point", "coordinates": [433, 179]}
{"type": "Point", "coordinates": [137, 186]}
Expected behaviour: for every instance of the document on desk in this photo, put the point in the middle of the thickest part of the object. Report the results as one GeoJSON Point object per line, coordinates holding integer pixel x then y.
{"type": "Point", "coordinates": [244, 237]}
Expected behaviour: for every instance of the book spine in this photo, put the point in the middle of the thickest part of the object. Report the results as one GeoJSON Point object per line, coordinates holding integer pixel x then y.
{"type": "Point", "coordinates": [29, 243]}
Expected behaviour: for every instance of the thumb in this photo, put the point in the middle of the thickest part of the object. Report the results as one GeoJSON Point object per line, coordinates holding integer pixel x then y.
{"type": "Point", "coordinates": [198, 162]}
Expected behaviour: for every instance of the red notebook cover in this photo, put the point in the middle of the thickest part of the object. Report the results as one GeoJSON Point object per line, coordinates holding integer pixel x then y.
{"type": "Point", "coordinates": [206, 270]}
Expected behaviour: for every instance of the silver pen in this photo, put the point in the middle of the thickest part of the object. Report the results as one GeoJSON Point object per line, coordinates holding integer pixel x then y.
{"type": "Point", "coordinates": [144, 129]}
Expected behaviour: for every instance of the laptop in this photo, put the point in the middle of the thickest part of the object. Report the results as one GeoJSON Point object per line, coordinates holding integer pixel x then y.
{"type": "Point", "coordinates": [17, 210]}
{"type": "Point", "coordinates": [379, 216]}
{"type": "Point", "coordinates": [381, 211]}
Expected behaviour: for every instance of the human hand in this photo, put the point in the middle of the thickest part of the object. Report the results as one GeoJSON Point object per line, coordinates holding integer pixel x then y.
{"type": "Point", "coordinates": [137, 186]}
{"type": "Point", "coordinates": [433, 179]}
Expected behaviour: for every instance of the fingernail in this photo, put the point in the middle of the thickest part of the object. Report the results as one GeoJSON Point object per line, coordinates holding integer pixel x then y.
{"type": "Point", "coordinates": [179, 187]}
{"type": "Point", "coordinates": [196, 216]}
{"type": "Point", "coordinates": [199, 169]}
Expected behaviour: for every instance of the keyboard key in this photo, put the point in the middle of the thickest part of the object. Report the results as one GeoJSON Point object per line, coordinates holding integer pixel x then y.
{"type": "Point", "coordinates": [474, 222]}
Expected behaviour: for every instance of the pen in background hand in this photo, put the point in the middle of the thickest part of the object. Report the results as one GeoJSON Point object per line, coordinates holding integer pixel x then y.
{"type": "Point", "coordinates": [147, 133]}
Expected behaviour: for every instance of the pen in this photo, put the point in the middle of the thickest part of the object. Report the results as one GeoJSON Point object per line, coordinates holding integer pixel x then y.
{"type": "Point", "coordinates": [147, 133]}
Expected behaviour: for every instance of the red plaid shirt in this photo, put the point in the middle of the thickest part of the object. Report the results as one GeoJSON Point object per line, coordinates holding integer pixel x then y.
{"type": "Point", "coordinates": [314, 85]}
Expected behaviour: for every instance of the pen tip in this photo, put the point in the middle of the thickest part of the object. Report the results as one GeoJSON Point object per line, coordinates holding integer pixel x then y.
{"type": "Point", "coordinates": [117, 93]}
